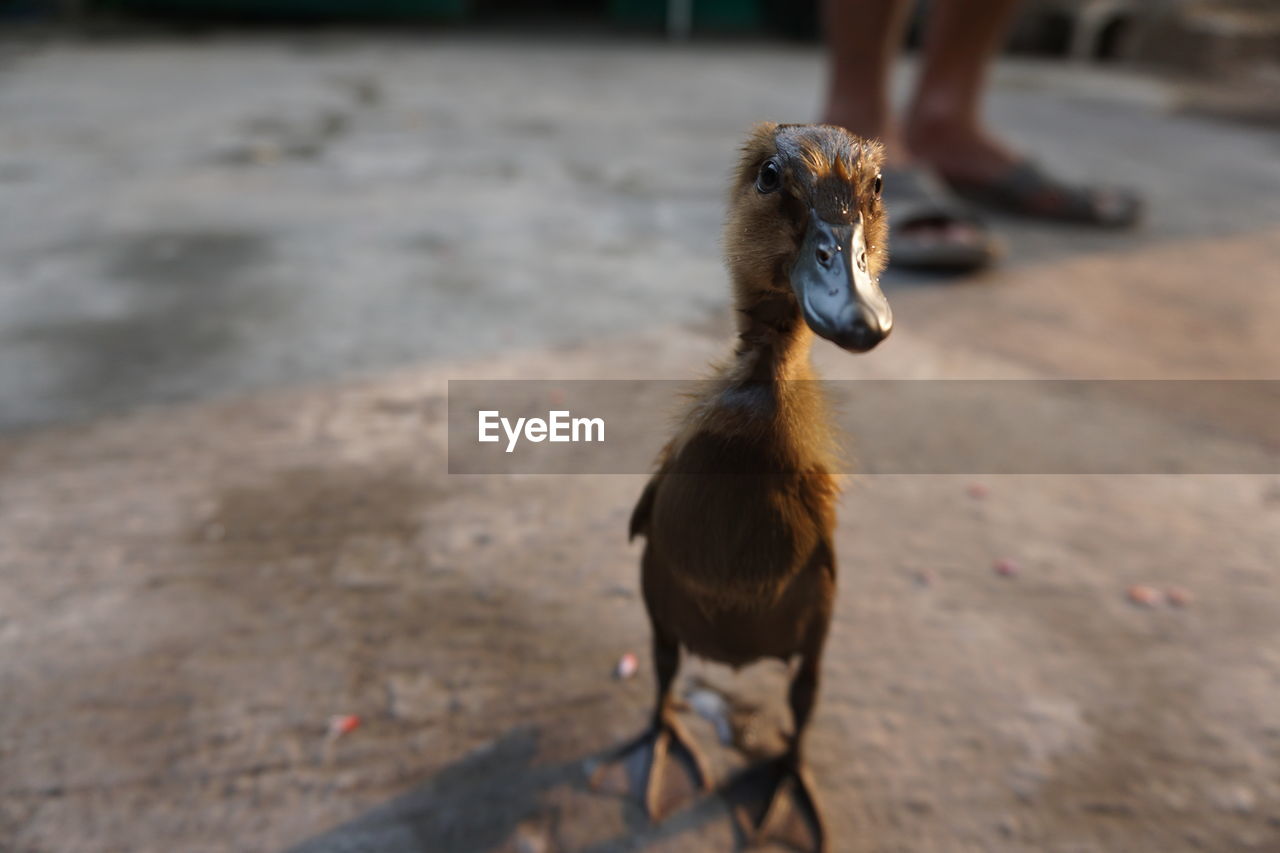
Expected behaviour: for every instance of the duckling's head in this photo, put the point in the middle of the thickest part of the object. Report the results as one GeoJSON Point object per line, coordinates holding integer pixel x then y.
{"type": "Point", "coordinates": [806, 230]}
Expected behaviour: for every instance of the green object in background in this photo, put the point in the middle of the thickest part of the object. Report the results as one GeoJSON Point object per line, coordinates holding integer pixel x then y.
{"type": "Point", "coordinates": [708, 15]}
{"type": "Point", "coordinates": [298, 9]}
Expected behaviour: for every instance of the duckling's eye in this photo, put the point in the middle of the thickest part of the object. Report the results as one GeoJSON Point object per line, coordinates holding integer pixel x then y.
{"type": "Point", "coordinates": [770, 178]}
{"type": "Point", "coordinates": [879, 185]}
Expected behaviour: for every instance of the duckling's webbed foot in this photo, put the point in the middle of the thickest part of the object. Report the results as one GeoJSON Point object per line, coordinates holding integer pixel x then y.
{"type": "Point", "coordinates": [661, 768]}
{"type": "Point", "coordinates": [774, 802]}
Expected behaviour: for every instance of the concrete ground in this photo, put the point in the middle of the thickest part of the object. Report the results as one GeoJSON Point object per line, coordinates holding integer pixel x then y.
{"type": "Point", "coordinates": [235, 275]}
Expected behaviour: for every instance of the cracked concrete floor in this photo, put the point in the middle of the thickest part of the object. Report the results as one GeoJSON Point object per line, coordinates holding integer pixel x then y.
{"type": "Point", "coordinates": [305, 230]}
{"type": "Point", "coordinates": [186, 219]}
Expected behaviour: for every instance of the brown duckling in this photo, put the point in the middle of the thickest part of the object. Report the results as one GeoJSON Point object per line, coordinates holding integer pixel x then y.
{"type": "Point", "coordinates": [739, 563]}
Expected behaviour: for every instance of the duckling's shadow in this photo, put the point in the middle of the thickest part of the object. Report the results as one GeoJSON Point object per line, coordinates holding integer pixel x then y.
{"type": "Point", "coordinates": [480, 802]}
{"type": "Point", "coordinates": [472, 805]}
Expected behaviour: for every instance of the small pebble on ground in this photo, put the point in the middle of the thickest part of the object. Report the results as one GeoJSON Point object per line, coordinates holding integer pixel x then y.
{"type": "Point", "coordinates": [342, 724]}
{"type": "Point", "coordinates": [628, 665]}
{"type": "Point", "coordinates": [1007, 568]}
{"type": "Point", "coordinates": [1143, 595]}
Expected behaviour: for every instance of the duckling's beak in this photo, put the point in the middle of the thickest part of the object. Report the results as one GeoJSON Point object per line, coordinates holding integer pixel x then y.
{"type": "Point", "coordinates": [833, 284]}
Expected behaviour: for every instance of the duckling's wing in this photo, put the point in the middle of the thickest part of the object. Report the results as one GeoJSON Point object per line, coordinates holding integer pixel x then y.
{"type": "Point", "coordinates": [644, 507]}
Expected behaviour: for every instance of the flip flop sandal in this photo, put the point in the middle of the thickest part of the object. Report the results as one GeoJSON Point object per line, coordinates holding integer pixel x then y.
{"type": "Point", "coordinates": [922, 212]}
{"type": "Point", "coordinates": [1028, 190]}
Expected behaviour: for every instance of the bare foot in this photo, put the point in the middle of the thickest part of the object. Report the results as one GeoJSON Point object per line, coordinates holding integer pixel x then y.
{"type": "Point", "coordinates": [958, 151]}
{"type": "Point", "coordinates": [982, 168]}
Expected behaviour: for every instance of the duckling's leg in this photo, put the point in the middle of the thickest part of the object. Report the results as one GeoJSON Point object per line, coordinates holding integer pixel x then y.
{"type": "Point", "coordinates": [661, 766]}
{"type": "Point", "coordinates": [774, 801]}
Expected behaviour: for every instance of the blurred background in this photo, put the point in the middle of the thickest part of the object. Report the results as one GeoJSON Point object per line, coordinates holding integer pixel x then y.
{"type": "Point", "coordinates": [245, 244]}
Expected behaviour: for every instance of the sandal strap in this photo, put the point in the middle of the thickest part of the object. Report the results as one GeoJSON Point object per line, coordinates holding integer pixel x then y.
{"type": "Point", "coordinates": [1025, 188]}
{"type": "Point", "coordinates": [914, 195]}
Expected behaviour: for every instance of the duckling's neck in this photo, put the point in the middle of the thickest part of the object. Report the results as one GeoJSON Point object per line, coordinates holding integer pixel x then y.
{"type": "Point", "coordinates": [773, 342]}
